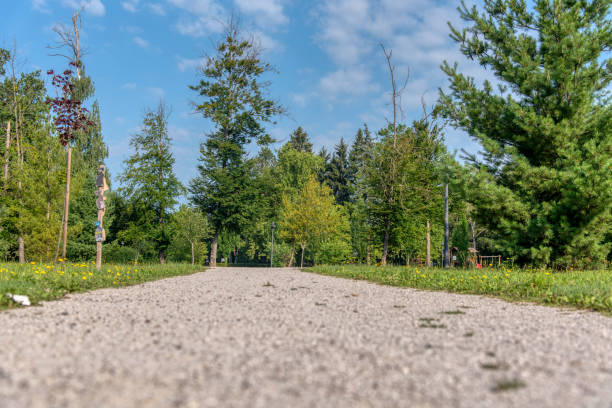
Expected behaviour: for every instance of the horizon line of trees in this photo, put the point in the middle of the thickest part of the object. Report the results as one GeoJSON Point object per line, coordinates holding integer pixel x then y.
{"type": "Point", "coordinates": [539, 194]}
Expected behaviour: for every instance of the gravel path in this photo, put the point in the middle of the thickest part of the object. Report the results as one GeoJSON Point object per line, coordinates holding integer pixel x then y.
{"type": "Point", "coordinates": [238, 337]}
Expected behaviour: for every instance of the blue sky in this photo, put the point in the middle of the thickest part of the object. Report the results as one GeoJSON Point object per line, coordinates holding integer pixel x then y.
{"type": "Point", "coordinates": [332, 73]}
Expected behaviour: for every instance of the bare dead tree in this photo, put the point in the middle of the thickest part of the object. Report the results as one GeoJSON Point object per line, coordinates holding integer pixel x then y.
{"type": "Point", "coordinates": [396, 93]}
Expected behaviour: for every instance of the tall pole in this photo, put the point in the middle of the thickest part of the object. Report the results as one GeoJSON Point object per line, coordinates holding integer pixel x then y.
{"type": "Point", "coordinates": [272, 248]}
{"type": "Point", "coordinates": [446, 260]}
{"type": "Point", "coordinates": [101, 206]}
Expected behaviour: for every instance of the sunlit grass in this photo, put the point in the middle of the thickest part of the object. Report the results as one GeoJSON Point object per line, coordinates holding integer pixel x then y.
{"type": "Point", "coordinates": [47, 281]}
{"type": "Point", "coordinates": [581, 289]}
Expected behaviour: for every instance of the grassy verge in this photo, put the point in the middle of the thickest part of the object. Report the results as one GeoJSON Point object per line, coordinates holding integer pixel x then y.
{"type": "Point", "coordinates": [580, 289]}
{"type": "Point", "coordinates": [48, 281]}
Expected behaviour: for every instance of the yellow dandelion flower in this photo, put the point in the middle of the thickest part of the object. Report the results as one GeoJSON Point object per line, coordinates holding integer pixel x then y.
{"type": "Point", "coordinates": [84, 277]}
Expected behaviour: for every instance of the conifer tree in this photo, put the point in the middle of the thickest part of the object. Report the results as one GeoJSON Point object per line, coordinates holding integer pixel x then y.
{"type": "Point", "coordinates": [299, 140]}
{"type": "Point", "coordinates": [338, 174]}
{"type": "Point", "coordinates": [359, 156]}
{"type": "Point", "coordinates": [234, 101]}
{"type": "Point", "coordinates": [149, 183]}
{"type": "Point", "coordinates": [543, 186]}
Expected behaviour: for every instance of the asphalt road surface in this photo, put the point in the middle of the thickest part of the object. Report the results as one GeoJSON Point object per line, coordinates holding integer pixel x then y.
{"type": "Point", "coordinates": [245, 337]}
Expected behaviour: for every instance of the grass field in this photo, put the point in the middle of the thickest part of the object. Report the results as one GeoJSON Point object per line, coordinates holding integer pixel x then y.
{"type": "Point", "coordinates": [48, 281]}
{"type": "Point", "coordinates": [580, 289]}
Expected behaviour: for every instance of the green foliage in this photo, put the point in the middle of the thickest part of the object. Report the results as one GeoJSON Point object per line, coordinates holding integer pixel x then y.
{"type": "Point", "coordinates": [543, 186]}
{"type": "Point", "coordinates": [43, 282]}
{"type": "Point", "coordinates": [114, 253]}
{"type": "Point", "coordinates": [402, 186]}
{"type": "Point", "coordinates": [234, 101]}
{"type": "Point", "coordinates": [149, 183]}
{"type": "Point", "coordinates": [582, 289]}
{"type": "Point", "coordinates": [311, 218]}
{"type": "Point", "coordinates": [338, 174]}
{"type": "Point", "coordinates": [190, 228]}
{"type": "Point", "coordinates": [299, 140]}
{"type": "Point", "coordinates": [461, 240]}
{"type": "Point", "coordinates": [294, 168]}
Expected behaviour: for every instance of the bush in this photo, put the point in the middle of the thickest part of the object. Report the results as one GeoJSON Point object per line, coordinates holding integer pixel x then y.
{"type": "Point", "coordinates": [115, 253]}
{"type": "Point", "coordinates": [77, 251]}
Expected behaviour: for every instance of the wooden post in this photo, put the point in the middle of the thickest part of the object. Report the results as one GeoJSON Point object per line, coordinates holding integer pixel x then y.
{"type": "Point", "coordinates": [101, 206]}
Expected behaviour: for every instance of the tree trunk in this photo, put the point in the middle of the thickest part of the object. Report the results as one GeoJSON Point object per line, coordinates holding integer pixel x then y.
{"type": "Point", "coordinates": [213, 251]}
{"type": "Point", "coordinates": [302, 261]}
{"type": "Point", "coordinates": [7, 146]}
{"type": "Point", "coordinates": [162, 258]}
{"type": "Point", "coordinates": [21, 249]}
{"type": "Point", "coordinates": [428, 260]}
{"type": "Point", "coordinates": [67, 199]}
{"type": "Point", "coordinates": [473, 234]}
{"type": "Point", "coordinates": [292, 255]}
{"type": "Point", "coordinates": [383, 259]}
{"type": "Point", "coordinates": [192, 254]}
{"type": "Point", "coordinates": [136, 259]}
{"type": "Point", "coordinates": [368, 254]}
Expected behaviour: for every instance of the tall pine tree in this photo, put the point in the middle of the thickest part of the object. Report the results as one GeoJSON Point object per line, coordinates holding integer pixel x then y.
{"type": "Point", "coordinates": [543, 186]}
{"type": "Point", "coordinates": [234, 101]}
{"type": "Point", "coordinates": [149, 183]}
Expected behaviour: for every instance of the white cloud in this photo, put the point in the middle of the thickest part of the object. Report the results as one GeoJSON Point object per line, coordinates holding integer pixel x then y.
{"type": "Point", "coordinates": [131, 29]}
{"type": "Point", "coordinates": [130, 5]}
{"type": "Point", "coordinates": [331, 137]}
{"type": "Point", "coordinates": [300, 99]}
{"type": "Point", "coordinates": [156, 92]}
{"type": "Point", "coordinates": [157, 8]}
{"type": "Point", "coordinates": [40, 5]}
{"type": "Point", "coordinates": [130, 86]}
{"type": "Point", "coordinates": [141, 42]}
{"type": "Point", "coordinates": [185, 64]}
{"type": "Point", "coordinates": [351, 81]}
{"type": "Point", "coordinates": [203, 17]}
{"type": "Point", "coordinates": [265, 12]}
{"type": "Point", "coordinates": [267, 43]}
{"type": "Point", "coordinates": [93, 7]}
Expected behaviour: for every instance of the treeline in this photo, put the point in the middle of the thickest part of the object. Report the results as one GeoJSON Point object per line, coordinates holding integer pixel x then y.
{"type": "Point", "coordinates": [538, 193]}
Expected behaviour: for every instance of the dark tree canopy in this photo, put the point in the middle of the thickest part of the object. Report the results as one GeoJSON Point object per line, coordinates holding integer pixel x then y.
{"type": "Point", "coordinates": [300, 141]}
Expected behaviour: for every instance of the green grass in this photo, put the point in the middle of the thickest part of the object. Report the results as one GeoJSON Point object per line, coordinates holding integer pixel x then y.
{"type": "Point", "coordinates": [580, 289]}
{"type": "Point", "coordinates": [47, 281]}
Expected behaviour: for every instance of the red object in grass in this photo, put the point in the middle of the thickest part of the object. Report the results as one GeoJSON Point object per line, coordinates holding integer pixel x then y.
{"type": "Point", "coordinates": [478, 266]}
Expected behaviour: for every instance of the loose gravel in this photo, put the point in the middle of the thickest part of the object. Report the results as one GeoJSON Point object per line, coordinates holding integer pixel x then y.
{"type": "Point", "coordinates": [245, 337]}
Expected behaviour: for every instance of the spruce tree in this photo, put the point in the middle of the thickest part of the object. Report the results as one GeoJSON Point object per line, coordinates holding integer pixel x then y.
{"type": "Point", "coordinates": [543, 186]}
{"type": "Point", "coordinates": [149, 183]}
{"type": "Point", "coordinates": [359, 156]}
{"type": "Point", "coordinates": [337, 173]}
{"type": "Point", "coordinates": [234, 101]}
{"type": "Point", "coordinates": [299, 140]}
